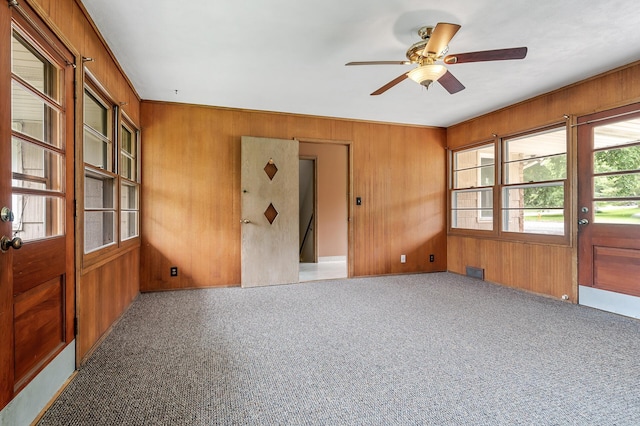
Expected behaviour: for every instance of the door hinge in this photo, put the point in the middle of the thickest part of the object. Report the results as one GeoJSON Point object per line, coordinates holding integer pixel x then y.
{"type": "Point", "coordinates": [75, 326]}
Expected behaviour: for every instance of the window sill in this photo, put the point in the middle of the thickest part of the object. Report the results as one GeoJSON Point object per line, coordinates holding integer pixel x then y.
{"type": "Point", "coordinates": [513, 237]}
{"type": "Point", "coordinates": [95, 260]}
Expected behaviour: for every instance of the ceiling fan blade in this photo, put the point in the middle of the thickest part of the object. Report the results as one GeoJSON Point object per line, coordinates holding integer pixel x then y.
{"type": "Point", "coordinates": [390, 84]}
{"type": "Point", "coordinates": [449, 82]}
{"type": "Point", "coordinates": [379, 63]}
{"type": "Point", "coordinates": [487, 55]}
{"type": "Point", "coordinates": [440, 38]}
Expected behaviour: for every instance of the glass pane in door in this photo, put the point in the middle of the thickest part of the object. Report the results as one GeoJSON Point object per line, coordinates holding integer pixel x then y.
{"type": "Point", "coordinates": [616, 166]}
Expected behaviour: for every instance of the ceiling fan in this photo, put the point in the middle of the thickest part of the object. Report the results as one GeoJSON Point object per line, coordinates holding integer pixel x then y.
{"type": "Point", "coordinates": [433, 47]}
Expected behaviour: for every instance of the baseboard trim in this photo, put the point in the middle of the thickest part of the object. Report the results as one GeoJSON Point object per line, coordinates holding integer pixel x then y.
{"type": "Point", "coordinates": [609, 301]}
{"type": "Point", "coordinates": [27, 406]}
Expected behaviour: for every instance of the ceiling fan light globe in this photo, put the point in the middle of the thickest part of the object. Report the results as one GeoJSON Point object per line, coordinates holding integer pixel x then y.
{"type": "Point", "coordinates": [427, 74]}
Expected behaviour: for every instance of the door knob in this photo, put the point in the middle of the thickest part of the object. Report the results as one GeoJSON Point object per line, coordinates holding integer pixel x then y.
{"type": "Point", "coordinates": [583, 222]}
{"type": "Point", "coordinates": [245, 221]}
{"type": "Point", "coordinates": [6, 243]}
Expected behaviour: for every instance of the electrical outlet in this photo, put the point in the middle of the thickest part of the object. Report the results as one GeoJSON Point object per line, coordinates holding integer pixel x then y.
{"type": "Point", "coordinates": [174, 271]}
{"type": "Point", "coordinates": [432, 258]}
{"type": "Point", "coordinates": [403, 258]}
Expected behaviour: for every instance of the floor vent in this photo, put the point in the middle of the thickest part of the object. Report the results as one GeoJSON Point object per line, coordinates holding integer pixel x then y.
{"type": "Point", "coordinates": [474, 272]}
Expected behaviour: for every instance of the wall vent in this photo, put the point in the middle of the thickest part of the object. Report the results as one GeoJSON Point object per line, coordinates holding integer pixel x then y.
{"type": "Point", "coordinates": [474, 272]}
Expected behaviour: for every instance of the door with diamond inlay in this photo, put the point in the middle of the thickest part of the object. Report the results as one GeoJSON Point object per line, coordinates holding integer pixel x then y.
{"type": "Point", "coordinates": [269, 221]}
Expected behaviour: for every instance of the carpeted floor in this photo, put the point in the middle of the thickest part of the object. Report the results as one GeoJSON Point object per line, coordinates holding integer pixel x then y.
{"type": "Point", "coordinates": [437, 349]}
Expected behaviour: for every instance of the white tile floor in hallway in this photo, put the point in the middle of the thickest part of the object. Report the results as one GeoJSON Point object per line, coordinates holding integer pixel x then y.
{"type": "Point", "coordinates": [323, 270]}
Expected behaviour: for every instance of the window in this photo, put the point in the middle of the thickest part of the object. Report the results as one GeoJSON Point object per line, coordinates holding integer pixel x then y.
{"type": "Point", "coordinates": [472, 182]}
{"type": "Point", "coordinates": [98, 129]}
{"type": "Point", "coordinates": [616, 172]}
{"type": "Point", "coordinates": [37, 146]}
{"type": "Point", "coordinates": [534, 177]}
{"type": "Point", "coordinates": [531, 185]}
{"type": "Point", "coordinates": [99, 177]}
{"type": "Point", "coordinates": [129, 182]}
{"type": "Point", "coordinates": [111, 173]}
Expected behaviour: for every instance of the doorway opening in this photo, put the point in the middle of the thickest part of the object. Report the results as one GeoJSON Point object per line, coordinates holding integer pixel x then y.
{"type": "Point", "coordinates": [324, 211]}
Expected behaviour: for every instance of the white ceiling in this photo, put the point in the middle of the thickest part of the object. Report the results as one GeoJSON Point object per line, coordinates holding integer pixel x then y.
{"type": "Point", "coordinates": [289, 55]}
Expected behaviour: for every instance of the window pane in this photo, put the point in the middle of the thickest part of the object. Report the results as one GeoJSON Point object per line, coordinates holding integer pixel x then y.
{"type": "Point", "coordinates": [625, 212]}
{"type": "Point", "coordinates": [33, 68]}
{"type": "Point", "coordinates": [536, 169]}
{"type": "Point", "coordinates": [127, 141]}
{"type": "Point", "coordinates": [471, 157]}
{"type": "Point", "coordinates": [99, 229]}
{"type": "Point", "coordinates": [473, 168]}
{"type": "Point", "coordinates": [617, 160]}
{"type": "Point", "coordinates": [37, 216]}
{"type": "Point", "coordinates": [472, 199]}
{"type": "Point", "coordinates": [128, 224]}
{"type": "Point", "coordinates": [617, 186]}
{"type": "Point", "coordinates": [536, 158]}
{"type": "Point", "coordinates": [543, 144]}
{"type": "Point", "coordinates": [128, 155]}
{"type": "Point", "coordinates": [473, 178]}
{"type": "Point", "coordinates": [544, 196]}
{"type": "Point", "coordinates": [97, 152]}
{"type": "Point", "coordinates": [536, 209]}
{"type": "Point", "coordinates": [129, 197]}
{"type": "Point", "coordinates": [472, 219]}
{"type": "Point", "coordinates": [96, 115]}
{"type": "Point", "coordinates": [98, 191]}
{"type": "Point", "coordinates": [128, 167]}
{"type": "Point", "coordinates": [33, 117]}
{"type": "Point", "coordinates": [472, 209]}
{"type": "Point", "coordinates": [616, 134]}
{"type": "Point", "coordinates": [35, 167]}
{"type": "Point", "coordinates": [535, 221]}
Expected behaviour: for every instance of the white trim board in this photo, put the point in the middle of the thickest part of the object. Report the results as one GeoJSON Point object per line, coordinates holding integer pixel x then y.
{"type": "Point", "coordinates": [30, 401]}
{"type": "Point", "coordinates": [609, 301]}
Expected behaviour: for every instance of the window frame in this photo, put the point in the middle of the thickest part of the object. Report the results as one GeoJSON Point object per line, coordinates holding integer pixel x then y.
{"type": "Point", "coordinates": [500, 186]}
{"type": "Point", "coordinates": [452, 190]}
{"type": "Point", "coordinates": [135, 181]}
{"type": "Point", "coordinates": [117, 120]}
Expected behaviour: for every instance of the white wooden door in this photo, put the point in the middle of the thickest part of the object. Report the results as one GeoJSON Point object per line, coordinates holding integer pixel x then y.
{"type": "Point", "coordinates": [270, 216]}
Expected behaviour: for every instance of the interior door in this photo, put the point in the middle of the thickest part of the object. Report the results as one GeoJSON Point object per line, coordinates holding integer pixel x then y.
{"type": "Point", "coordinates": [36, 191]}
{"type": "Point", "coordinates": [270, 216]}
{"type": "Point", "coordinates": [609, 198]}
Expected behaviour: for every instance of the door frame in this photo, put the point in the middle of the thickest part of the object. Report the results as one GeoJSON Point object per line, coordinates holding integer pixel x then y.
{"type": "Point", "coordinates": [350, 218]}
{"type": "Point", "coordinates": [588, 294]}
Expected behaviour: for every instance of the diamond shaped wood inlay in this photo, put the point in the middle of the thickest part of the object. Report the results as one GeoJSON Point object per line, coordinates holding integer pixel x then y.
{"type": "Point", "coordinates": [271, 213]}
{"type": "Point", "coordinates": [270, 169]}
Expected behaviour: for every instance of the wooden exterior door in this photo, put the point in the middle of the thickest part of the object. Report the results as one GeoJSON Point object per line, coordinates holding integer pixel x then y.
{"type": "Point", "coordinates": [609, 200]}
{"type": "Point", "coordinates": [36, 191]}
{"type": "Point", "coordinates": [270, 215]}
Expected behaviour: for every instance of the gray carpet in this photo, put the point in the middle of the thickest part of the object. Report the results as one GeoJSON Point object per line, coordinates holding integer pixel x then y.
{"type": "Point", "coordinates": [435, 349]}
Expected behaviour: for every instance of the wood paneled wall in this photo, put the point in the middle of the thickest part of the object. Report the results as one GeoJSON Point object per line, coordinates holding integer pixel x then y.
{"type": "Point", "coordinates": [545, 269]}
{"type": "Point", "coordinates": [107, 291]}
{"type": "Point", "coordinates": [191, 191]}
{"type": "Point", "coordinates": [103, 292]}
